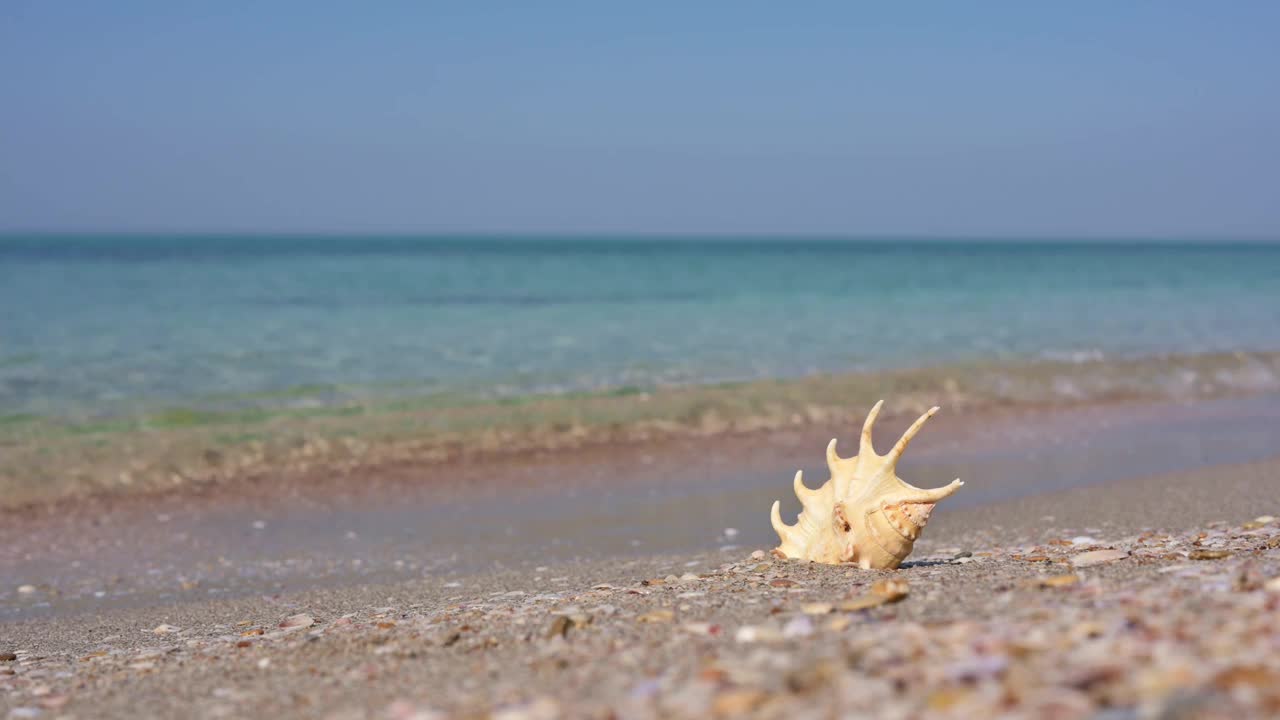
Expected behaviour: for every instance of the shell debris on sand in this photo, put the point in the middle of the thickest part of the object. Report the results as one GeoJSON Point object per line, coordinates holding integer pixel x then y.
{"type": "Point", "coordinates": [1147, 634]}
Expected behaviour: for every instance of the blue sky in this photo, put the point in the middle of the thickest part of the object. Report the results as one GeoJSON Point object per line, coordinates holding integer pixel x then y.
{"type": "Point", "coordinates": [994, 118]}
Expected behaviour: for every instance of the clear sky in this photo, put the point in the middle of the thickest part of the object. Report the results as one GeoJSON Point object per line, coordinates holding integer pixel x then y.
{"type": "Point", "coordinates": [1008, 118]}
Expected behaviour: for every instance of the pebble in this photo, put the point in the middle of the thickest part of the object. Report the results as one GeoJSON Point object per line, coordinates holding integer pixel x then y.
{"type": "Point", "coordinates": [883, 592]}
{"type": "Point", "coordinates": [1246, 676]}
{"type": "Point", "coordinates": [757, 633]}
{"type": "Point", "coordinates": [26, 589]}
{"type": "Point", "coordinates": [891, 589]}
{"type": "Point", "coordinates": [701, 628]}
{"type": "Point", "coordinates": [405, 710]}
{"type": "Point", "coordinates": [1209, 554]}
{"type": "Point", "coordinates": [737, 703]}
{"type": "Point", "coordinates": [1098, 557]}
{"type": "Point", "coordinates": [297, 622]}
{"type": "Point", "coordinates": [689, 577]}
{"type": "Point", "coordinates": [165, 629]}
{"type": "Point", "coordinates": [8, 656]}
{"type": "Point", "coordinates": [758, 555]}
{"type": "Point", "coordinates": [865, 601]}
{"type": "Point", "coordinates": [657, 616]}
{"type": "Point", "coordinates": [1059, 581]}
{"type": "Point", "coordinates": [978, 668]}
{"type": "Point", "coordinates": [839, 623]}
{"type": "Point", "coordinates": [798, 627]}
{"type": "Point", "coordinates": [559, 627]}
{"type": "Point", "coordinates": [540, 709]}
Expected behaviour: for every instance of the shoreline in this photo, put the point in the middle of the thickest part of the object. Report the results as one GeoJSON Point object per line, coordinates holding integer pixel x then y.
{"type": "Point", "coordinates": [184, 450]}
{"type": "Point", "coordinates": [684, 495]}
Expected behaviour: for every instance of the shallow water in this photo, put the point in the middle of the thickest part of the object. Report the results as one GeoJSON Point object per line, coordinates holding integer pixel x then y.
{"type": "Point", "coordinates": [104, 325]}
{"type": "Point", "coordinates": [553, 511]}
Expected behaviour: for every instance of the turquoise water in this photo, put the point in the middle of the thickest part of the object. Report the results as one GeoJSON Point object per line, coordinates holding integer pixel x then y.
{"type": "Point", "coordinates": [105, 325]}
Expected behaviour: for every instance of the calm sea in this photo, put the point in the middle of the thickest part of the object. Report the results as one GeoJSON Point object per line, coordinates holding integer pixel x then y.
{"type": "Point", "coordinates": [119, 324]}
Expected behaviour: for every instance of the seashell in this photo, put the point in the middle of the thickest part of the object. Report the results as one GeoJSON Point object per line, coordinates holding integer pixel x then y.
{"type": "Point", "coordinates": [865, 514]}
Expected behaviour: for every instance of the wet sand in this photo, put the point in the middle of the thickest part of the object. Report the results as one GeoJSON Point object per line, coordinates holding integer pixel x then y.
{"type": "Point", "coordinates": [470, 620]}
{"type": "Point", "coordinates": [413, 521]}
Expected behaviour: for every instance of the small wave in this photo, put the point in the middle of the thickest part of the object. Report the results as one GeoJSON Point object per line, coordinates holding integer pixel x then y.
{"type": "Point", "coordinates": [1074, 356]}
{"type": "Point", "coordinates": [464, 299]}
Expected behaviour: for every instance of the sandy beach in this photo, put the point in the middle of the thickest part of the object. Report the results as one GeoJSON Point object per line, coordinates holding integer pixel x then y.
{"type": "Point", "coordinates": [533, 361]}
{"type": "Point", "coordinates": [1148, 594]}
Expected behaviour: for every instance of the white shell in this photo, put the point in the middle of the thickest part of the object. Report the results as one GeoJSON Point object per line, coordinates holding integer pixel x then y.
{"type": "Point", "coordinates": [865, 513]}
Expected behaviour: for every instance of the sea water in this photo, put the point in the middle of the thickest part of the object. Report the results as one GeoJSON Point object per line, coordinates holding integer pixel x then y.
{"type": "Point", "coordinates": [117, 324]}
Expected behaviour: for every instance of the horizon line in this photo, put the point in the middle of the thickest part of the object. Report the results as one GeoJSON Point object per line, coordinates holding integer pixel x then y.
{"type": "Point", "coordinates": [9, 234]}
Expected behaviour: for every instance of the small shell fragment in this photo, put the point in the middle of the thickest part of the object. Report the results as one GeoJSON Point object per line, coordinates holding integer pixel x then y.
{"type": "Point", "coordinates": [657, 616]}
{"type": "Point", "coordinates": [883, 592]}
{"type": "Point", "coordinates": [297, 622]}
{"type": "Point", "coordinates": [1057, 581]}
{"type": "Point", "coordinates": [1209, 554]}
{"type": "Point", "coordinates": [839, 623]}
{"type": "Point", "coordinates": [1097, 557]}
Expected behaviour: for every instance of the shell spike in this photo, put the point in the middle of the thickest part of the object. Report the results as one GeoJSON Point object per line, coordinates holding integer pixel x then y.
{"type": "Point", "coordinates": [802, 492]}
{"type": "Point", "coordinates": [775, 517]}
{"type": "Point", "coordinates": [865, 447]}
{"type": "Point", "coordinates": [833, 459]}
{"type": "Point", "coordinates": [901, 446]}
{"type": "Point", "coordinates": [932, 495]}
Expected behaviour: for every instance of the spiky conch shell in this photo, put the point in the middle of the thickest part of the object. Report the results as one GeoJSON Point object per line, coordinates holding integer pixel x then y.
{"type": "Point", "coordinates": [865, 514]}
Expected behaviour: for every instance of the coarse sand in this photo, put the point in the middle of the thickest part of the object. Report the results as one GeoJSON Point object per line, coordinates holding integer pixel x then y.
{"type": "Point", "coordinates": [1152, 597]}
